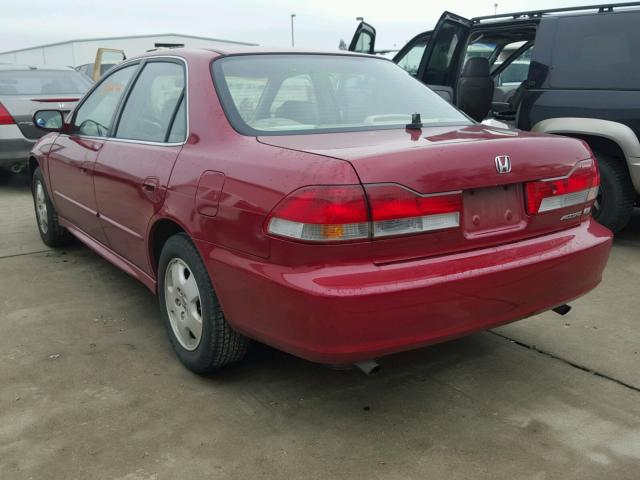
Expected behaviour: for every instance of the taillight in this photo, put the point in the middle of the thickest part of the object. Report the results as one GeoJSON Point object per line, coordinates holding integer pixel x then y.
{"type": "Point", "coordinates": [322, 214]}
{"type": "Point", "coordinates": [5, 116]}
{"type": "Point", "coordinates": [341, 213]}
{"type": "Point", "coordinates": [578, 188]}
{"type": "Point", "coordinates": [398, 211]}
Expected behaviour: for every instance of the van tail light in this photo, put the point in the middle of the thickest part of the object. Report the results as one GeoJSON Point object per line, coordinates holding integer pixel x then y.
{"type": "Point", "coordinates": [321, 214]}
{"type": "Point", "coordinates": [396, 210]}
{"type": "Point", "coordinates": [580, 187]}
{"type": "Point", "coordinates": [341, 213]}
{"type": "Point", "coordinates": [5, 116]}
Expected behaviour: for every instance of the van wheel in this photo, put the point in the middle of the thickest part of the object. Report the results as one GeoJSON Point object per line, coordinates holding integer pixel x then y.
{"type": "Point", "coordinates": [614, 205]}
{"type": "Point", "coordinates": [193, 317]}
{"type": "Point", "coordinates": [52, 234]}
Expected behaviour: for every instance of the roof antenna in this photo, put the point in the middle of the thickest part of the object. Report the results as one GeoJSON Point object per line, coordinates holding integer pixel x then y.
{"type": "Point", "coordinates": [416, 122]}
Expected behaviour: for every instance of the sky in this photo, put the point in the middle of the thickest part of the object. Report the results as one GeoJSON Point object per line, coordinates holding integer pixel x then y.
{"type": "Point", "coordinates": [319, 24]}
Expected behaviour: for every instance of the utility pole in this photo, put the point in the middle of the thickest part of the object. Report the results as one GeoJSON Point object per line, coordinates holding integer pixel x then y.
{"type": "Point", "coordinates": [495, 8]}
{"type": "Point", "coordinates": [293, 41]}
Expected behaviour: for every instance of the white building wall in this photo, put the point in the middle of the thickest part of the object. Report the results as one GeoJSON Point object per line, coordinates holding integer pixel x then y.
{"type": "Point", "coordinates": [84, 51]}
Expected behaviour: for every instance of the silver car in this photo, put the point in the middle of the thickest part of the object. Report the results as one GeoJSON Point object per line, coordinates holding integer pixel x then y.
{"type": "Point", "coordinates": [23, 91]}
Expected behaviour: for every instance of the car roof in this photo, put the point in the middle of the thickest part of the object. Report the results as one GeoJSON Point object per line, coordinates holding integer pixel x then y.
{"type": "Point", "coordinates": [243, 50]}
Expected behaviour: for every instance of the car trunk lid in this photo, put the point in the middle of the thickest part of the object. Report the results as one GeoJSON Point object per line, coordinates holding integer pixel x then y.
{"type": "Point", "coordinates": [458, 159]}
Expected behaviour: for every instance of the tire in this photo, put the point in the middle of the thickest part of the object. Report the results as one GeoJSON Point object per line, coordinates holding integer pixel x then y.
{"type": "Point", "coordinates": [5, 176]}
{"type": "Point", "coordinates": [52, 234]}
{"type": "Point", "coordinates": [617, 197]}
{"type": "Point", "coordinates": [216, 344]}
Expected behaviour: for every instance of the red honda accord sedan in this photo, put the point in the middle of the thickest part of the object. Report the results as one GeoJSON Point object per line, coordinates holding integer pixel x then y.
{"type": "Point", "coordinates": [297, 199]}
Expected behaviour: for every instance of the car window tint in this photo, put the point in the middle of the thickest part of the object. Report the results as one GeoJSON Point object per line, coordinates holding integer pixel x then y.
{"type": "Point", "coordinates": [149, 109]}
{"type": "Point", "coordinates": [179, 127]}
{"type": "Point", "coordinates": [597, 52]}
{"type": "Point", "coordinates": [95, 116]}
{"type": "Point", "coordinates": [323, 93]}
{"type": "Point", "coordinates": [411, 60]}
{"type": "Point", "coordinates": [42, 82]}
{"type": "Point", "coordinates": [440, 69]}
{"type": "Point", "coordinates": [296, 100]}
{"type": "Point", "coordinates": [246, 92]}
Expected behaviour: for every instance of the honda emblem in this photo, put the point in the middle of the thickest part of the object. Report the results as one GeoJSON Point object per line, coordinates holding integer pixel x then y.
{"type": "Point", "coordinates": [503, 164]}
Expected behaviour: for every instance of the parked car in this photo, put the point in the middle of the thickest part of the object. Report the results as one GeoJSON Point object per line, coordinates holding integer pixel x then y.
{"type": "Point", "coordinates": [23, 90]}
{"type": "Point", "coordinates": [106, 59]}
{"type": "Point", "coordinates": [569, 71]}
{"type": "Point", "coordinates": [299, 199]}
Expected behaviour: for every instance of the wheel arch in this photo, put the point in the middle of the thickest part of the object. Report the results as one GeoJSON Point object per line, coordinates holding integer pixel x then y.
{"type": "Point", "coordinates": [612, 138]}
{"type": "Point", "coordinates": [160, 231]}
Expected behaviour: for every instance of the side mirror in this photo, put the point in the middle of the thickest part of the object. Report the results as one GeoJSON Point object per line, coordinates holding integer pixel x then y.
{"type": "Point", "coordinates": [49, 120]}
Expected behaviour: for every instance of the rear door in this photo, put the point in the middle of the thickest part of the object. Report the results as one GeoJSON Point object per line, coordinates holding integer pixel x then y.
{"type": "Point", "coordinates": [364, 39]}
{"type": "Point", "coordinates": [134, 166]}
{"type": "Point", "coordinates": [443, 53]}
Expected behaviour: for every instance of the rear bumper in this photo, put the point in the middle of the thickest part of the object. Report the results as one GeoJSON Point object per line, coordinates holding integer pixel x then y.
{"type": "Point", "coordinates": [14, 147]}
{"type": "Point", "coordinates": [348, 313]}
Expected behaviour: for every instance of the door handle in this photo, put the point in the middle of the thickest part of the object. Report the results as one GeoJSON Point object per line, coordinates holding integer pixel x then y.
{"type": "Point", "coordinates": [150, 184]}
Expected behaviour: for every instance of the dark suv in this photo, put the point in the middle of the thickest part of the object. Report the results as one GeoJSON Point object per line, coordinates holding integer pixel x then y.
{"type": "Point", "coordinates": [570, 71]}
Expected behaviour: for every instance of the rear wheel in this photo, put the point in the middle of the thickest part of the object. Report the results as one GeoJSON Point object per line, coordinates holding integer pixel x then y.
{"type": "Point", "coordinates": [194, 320]}
{"type": "Point", "coordinates": [51, 232]}
{"type": "Point", "coordinates": [616, 198]}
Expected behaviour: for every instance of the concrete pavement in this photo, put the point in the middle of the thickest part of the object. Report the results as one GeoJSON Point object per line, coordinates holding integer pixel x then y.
{"type": "Point", "coordinates": [91, 389]}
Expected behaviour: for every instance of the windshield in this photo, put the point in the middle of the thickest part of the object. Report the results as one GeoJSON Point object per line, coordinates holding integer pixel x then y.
{"type": "Point", "coordinates": [291, 93]}
{"type": "Point", "coordinates": [42, 82]}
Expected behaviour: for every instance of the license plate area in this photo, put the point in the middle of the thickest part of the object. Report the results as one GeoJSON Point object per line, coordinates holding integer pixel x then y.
{"type": "Point", "coordinates": [492, 211]}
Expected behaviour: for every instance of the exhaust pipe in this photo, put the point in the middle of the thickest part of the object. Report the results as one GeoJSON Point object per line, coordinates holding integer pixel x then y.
{"type": "Point", "coordinates": [368, 367]}
{"type": "Point", "coordinates": [562, 309]}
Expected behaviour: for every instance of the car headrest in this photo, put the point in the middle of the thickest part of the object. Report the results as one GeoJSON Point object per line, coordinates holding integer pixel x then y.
{"type": "Point", "coordinates": [476, 67]}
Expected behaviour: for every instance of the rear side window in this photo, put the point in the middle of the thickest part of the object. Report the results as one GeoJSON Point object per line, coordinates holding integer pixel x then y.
{"type": "Point", "coordinates": [95, 116]}
{"type": "Point", "coordinates": [153, 103]}
{"type": "Point", "coordinates": [597, 52]}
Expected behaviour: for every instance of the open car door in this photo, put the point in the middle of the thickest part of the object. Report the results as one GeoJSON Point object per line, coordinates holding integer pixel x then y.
{"type": "Point", "coordinates": [364, 39]}
{"type": "Point", "coordinates": [443, 53]}
{"type": "Point", "coordinates": [106, 58]}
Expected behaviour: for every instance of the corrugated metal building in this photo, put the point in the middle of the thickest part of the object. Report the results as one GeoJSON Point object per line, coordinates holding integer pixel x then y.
{"type": "Point", "coordinates": [74, 53]}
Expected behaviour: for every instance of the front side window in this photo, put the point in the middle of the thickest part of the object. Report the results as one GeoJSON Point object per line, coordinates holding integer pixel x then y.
{"type": "Point", "coordinates": [323, 93]}
{"type": "Point", "coordinates": [411, 60]}
{"type": "Point", "coordinates": [95, 116]}
{"type": "Point", "coordinates": [153, 103]}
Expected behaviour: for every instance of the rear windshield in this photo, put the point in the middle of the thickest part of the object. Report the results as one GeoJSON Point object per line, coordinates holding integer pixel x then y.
{"type": "Point", "coordinates": [42, 82]}
{"type": "Point", "coordinates": [290, 93]}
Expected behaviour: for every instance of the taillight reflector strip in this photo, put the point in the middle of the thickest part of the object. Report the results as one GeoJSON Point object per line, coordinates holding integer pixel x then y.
{"type": "Point", "coordinates": [578, 188]}
{"type": "Point", "coordinates": [341, 213]}
{"type": "Point", "coordinates": [322, 214]}
{"type": "Point", "coordinates": [396, 210]}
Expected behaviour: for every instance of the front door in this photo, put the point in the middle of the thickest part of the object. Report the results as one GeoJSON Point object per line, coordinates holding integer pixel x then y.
{"type": "Point", "coordinates": [364, 39]}
{"type": "Point", "coordinates": [73, 155]}
{"type": "Point", "coordinates": [133, 168]}
{"type": "Point", "coordinates": [443, 54]}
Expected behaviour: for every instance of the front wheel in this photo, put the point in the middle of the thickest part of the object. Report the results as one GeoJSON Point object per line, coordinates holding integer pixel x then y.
{"type": "Point", "coordinates": [193, 317]}
{"type": "Point", "coordinates": [52, 234]}
{"type": "Point", "coordinates": [614, 205]}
